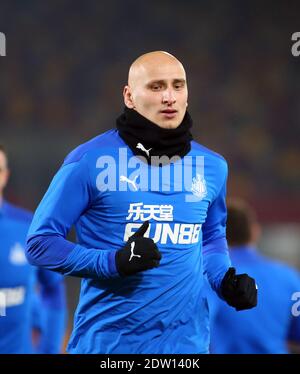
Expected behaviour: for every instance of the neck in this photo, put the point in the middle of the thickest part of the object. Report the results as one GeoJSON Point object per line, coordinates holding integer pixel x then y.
{"type": "Point", "coordinates": [147, 139]}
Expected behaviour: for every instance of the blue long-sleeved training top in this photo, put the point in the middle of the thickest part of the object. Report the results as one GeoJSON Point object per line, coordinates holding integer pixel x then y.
{"type": "Point", "coordinates": [18, 283]}
{"type": "Point", "coordinates": [275, 321]}
{"type": "Point", "coordinates": [107, 192]}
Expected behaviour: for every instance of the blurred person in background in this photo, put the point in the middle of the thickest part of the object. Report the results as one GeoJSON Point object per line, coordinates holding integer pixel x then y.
{"type": "Point", "coordinates": [141, 295]}
{"type": "Point", "coordinates": [33, 310]}
{"type": "Point", "coordinates": [271, 326]}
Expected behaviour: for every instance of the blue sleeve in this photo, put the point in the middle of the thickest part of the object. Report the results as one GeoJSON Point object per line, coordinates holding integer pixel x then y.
{"type": "Point", "coordinates": [53, 300]}
{"type": "Point", "coordinates": [212, 299]}
{"type": "Point", "coordinates": [294, 331]}
{"type": "Point", "coordinates": [67, 198]}
{"type": "Point", "coordinates": [216, 259]}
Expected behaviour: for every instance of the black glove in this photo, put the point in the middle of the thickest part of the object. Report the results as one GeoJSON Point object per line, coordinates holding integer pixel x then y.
{"type": "Point", "coordinates": [239, 291]}
{"type": "Point", "coordinates": [138, 254]}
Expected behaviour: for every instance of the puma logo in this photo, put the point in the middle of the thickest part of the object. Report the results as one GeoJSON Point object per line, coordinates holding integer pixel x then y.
{"type": "Point", "coordinates": [142, 148]}
{"type": "Point", "coordinates": [132, 182]}
{"type": "Point", "coordinates": [132, 253]}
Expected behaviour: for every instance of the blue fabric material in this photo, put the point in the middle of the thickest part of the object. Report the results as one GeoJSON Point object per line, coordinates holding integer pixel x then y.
{"type": "Point", "coordinates": [266, 328]}
{"type": "Point", "coordinates": [161, 310]}
{"type": "Point", "coordinates": [19, 282]}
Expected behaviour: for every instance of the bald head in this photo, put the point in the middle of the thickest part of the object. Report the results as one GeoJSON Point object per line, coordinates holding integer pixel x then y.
{"type": "Point", "coordinates": [157, 88]}
{"type": "Point", "coordinates": [149, 62]}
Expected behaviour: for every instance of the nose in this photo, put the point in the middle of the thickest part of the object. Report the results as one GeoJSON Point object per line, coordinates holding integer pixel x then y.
{"type": "Point", "coordinates": [169, 97]}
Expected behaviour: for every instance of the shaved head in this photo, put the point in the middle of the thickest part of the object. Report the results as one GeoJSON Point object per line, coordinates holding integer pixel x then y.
{"type": "Point", "coordinates": [157, 88]}
{"type": "Point", "coordinates": [148, 62]}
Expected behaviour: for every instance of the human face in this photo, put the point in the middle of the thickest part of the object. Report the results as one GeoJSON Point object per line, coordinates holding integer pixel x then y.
{"type": "Point", "coordinates": [4, 173]}
{"type": "Point", "coordinates": [159, 93]}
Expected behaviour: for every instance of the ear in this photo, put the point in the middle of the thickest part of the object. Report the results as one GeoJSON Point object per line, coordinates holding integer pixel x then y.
{"type": "Point", "coordinates": [128, 97]}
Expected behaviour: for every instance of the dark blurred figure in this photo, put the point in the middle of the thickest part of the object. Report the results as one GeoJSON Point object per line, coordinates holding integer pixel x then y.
{"type": "Point", "coordinates": [271, 326]}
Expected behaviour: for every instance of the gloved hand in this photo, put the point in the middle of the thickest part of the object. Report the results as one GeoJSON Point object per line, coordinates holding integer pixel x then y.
{"type": "Point", "coordinates": [239, 291]}
{"type": "Point", "coordinates": [138, 254]}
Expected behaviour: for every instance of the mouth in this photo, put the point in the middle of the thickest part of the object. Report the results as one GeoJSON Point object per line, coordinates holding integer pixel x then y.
{"type": "Point", "coordinates": [169, 113]}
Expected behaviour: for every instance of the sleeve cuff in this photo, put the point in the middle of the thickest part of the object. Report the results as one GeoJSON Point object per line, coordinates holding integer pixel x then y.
{"type": "Point", "coordinates": [112, 268]}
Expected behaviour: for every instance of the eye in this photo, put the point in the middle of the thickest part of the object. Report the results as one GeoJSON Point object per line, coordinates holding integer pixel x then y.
{"type": "Point", "coordinates": [156, 87]}
{"type": "Point", "coordinates": [179, 85]}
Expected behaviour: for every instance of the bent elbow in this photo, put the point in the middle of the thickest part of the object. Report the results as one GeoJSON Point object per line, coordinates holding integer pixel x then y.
{"type": "Point", "coordinates": [33, 250]}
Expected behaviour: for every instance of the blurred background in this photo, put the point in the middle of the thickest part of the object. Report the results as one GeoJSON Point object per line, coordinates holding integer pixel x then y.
{"type": "Point", "coordinates": [67, 62]}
